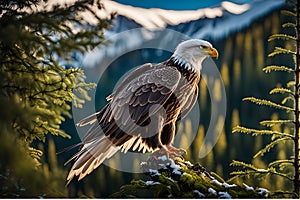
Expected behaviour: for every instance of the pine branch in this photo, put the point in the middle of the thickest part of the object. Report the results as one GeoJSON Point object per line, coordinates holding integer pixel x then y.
{"type": "Point", "coordinates": [280, 50]}
{"type": "Point", "coordinates": [251, 169]}
{"type": "Point", "coordinates": [286, 99]}
{"type": "Point", "coordinates": [271, 68]}
{"type": "Point", "coordinates": [268, 103]}
{"type": "Point", "coordinates": [291, 84]}
{"type": "Point", "coordinates": [255, 132]}
{"type": "Point", "coordinates": [282, 37]}
{"type": "Point", "coordinates": [271, 123]}
{"type": "Point", "coordinates": [279, 162]}
{"type": "Point", "coordinates": [296, 179]}
{"type": "Point", "coordinates": [273, 171]}
{"type": "Point", "coordinates": [289, 24]}
{"type": "Point", "coordinates": [289, 13]}
{"type": "Point", "coordinates": [236, 163]}
{"type": "Point", "coordinates": [270, 145]}
{"type": "Point", "coordinates": [281, 91]}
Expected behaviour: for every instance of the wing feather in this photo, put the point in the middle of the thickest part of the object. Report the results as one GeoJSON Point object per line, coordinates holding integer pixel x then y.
{"type": "Point", "coordinates": [153, 87]}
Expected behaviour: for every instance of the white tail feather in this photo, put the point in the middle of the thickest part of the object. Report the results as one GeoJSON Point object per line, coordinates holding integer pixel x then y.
{"type": "Point", "coordinates": [88, 120]}
{"type": "Point", "coordinates": [91, 156]}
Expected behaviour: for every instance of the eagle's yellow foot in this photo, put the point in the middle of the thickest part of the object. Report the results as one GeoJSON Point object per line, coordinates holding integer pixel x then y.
{"type": "Point", "coordinates": [176, 152]}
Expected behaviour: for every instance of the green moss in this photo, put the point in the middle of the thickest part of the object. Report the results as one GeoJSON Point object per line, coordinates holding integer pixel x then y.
{"type": "Point", "coordinates": [178, 178]}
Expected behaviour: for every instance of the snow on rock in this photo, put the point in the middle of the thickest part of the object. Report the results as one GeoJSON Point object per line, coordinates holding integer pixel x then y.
{"type": "Point", "coordinates": [148, 183]}
{"type": "Point", "coordinates": [224, 195]}
{"type": "Point", "coordinates": [215, 181]}
{"type": "Point", "coordinates": [163, 158]}
{"type": "Point", "coordinates": [175, 167]}
{"type": "Point", "coordinates": [248, 187]}
{"type": "Point", "coordinates": [212, 191]}
{"type": "Point", "coordinates": [172, 180]}
{"type": "Point", "coordinates": [201, 195]}
{"type": "Point", "coordinates": [263, 191]}
{"type": "Point", "coordinates": [226, 185]}
{"type": "Point", "coordinates": [154, 172]}
{"type": "Point", "coordinates": [188, 163]}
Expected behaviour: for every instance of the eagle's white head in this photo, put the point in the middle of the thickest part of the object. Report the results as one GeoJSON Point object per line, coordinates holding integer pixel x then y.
{"type": "Point", "coordinates": [190, 53]}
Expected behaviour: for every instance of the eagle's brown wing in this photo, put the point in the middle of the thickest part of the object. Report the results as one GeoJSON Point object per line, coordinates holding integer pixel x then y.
{"type": "Point", "coordinates": [93, 132]}
{"type": "Point", "coordinates": [138, 110]}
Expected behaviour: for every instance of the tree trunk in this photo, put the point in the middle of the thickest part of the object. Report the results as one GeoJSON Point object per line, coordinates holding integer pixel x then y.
{"type": "Point", "coordinates": [297, 112]}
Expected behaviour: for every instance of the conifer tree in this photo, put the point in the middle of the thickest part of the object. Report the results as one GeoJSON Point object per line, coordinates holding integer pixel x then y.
{"type": "Point", "coordinates": [36, 86]}
{"type": "Point", "coordinates": [289, 105]}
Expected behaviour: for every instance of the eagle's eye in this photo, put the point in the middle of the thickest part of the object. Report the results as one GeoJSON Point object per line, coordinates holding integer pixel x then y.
{"type": "Point", "coordinates": [203, 47]}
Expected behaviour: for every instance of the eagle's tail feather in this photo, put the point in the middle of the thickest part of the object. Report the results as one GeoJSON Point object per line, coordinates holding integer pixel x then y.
{"type": "Point", "coordinates": [88, 120]}
{"type": "Point", "coordinates": [91, 156]}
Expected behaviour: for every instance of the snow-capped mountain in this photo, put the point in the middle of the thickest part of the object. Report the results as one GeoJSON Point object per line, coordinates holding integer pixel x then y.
{"type": "Point", "coordinates": [136, 28]}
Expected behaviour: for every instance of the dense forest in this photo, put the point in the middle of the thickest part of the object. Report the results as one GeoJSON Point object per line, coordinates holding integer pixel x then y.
{"type": "Point", "coordinates": [40, 95]}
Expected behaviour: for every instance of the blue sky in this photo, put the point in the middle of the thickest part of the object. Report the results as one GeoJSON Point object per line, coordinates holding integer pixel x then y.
{"type": "Point", "coordinates": [177, 4]}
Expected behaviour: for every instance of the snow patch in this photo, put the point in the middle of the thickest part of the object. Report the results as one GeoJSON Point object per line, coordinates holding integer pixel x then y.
{"type": "Point", "coordinates": [248, 187]}
{"type": "Point", "coordinates": [188, 163]}
{"type": "Point", "coordinates": [226, 185]}
{"type": "Point", "coordinates": [212, 191]}
{"type": "Point", "coordinates": [148, 183]}
{"type": "Point", "coordinates": [224, 195]}
{"type": "Point", "coordinates": [175, 167]}
{"type": "Point", "coordinates": [154, 172]}
{"type": "Point", "coordinates": [201, 195]}
{"type": "Point", "coordinates": [262, 170]}
{"type": "Point", "coordinates": [263, 191]}
{"type": "Point", "coordinates": [163, 158]}
{"type": "Point", "coordinates": [216, 182]}
{"type": "Point", "coordinates": [169, 178]}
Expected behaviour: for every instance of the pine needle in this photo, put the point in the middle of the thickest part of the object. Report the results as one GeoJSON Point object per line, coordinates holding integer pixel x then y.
{"type": "Point", "coordinates": [271, 68]}
{"type": "Point", "coordinates": [281, 37]}
{"type": "Point", "coordinates": [281, 91]}
{"type": "Point", "coordinates": [271, 123]}
{"type": "Point", "coordinates": [268, 103]}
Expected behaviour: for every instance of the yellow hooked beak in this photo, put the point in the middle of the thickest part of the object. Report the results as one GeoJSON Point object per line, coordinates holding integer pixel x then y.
{"type": "Point", "coordinates": [213, 52]}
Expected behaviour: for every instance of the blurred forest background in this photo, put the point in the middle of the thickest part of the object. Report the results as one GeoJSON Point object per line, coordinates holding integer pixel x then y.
{"type": "Point", "coordinates": [242, 56]}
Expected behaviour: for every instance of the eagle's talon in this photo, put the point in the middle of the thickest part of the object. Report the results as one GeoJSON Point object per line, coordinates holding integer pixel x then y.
{"type": "Point", "coordinates": [170, 152]}
{"type": "Point", "coordinates": [176, 151]}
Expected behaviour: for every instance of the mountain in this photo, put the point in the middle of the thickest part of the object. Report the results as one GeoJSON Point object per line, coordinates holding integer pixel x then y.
{"type": "Point", "coordinates": [137, 28]}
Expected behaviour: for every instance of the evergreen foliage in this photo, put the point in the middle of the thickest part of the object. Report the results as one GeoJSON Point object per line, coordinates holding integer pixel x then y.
{"type": "Point", "coordinates": [286, 168]}
{"type": "Point", "coordinates": [177, 178]}
{"type": "Point", "coordinates": [36, 87]}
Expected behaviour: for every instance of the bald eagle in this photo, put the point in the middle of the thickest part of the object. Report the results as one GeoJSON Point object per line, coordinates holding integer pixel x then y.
{"type": "Point", "coordinates": [141, 113]}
